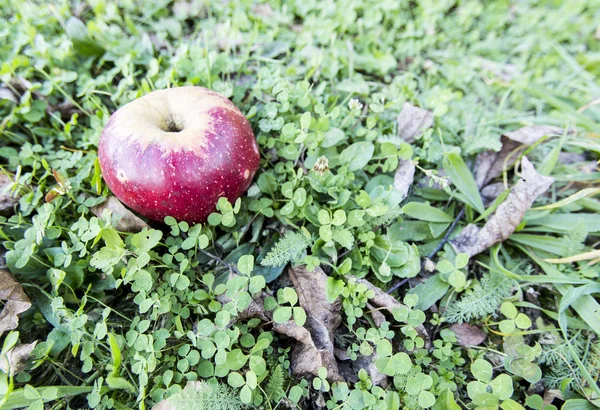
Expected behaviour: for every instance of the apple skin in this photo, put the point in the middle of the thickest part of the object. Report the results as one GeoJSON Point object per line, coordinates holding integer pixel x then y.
{"type": "Point", "coordinates": [174, 152]}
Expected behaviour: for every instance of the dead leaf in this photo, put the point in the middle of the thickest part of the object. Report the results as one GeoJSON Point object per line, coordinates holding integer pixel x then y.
{"type": "Point", "coordinates": [568, 158]}
{"type": "Point", "coordinates": [10, 288]}
{"type": "Point", "coordinates": [413, 121]}
{"type": "Point", "coordinates": [17, 301]}
{"type": "Point", "coordinates": [307, 358]}
{"type": "Point", "coordinates": [468, 335]}
{"type": "Point", "coordinates": [7, 199]}
{"type": "Point", "coordinates": [16, 358]}
{"type": "Point", "coordinates": [122, 219]}
{"type": "Point", "coordinates": [226, 37]}
{"type": "Point", "coordinates": [381, 299]}
{"type": "Point", "coordinates": [490, 192]}
{"type": "Point", "coordinates": [7, 94]}
{"type": "Point", "coordinates": [378, 317]}
{"type": "Point", "coordinates": [531, 134]}
{"type": "Point", "coordinates": [388, 302]}
{"type": "Point", "coordinates": [263, 10]}
{"type": "Point", "coordinates": [509, 214]}
{"type": "Point", "coordinates": [504, 71]}
{"type": "Point", "coordinates": [490, 164]}
{"type": "Point", "coordinates": [350, 368]}
{"type": "Point", "coordinates": [404, 177]}
{"type": "Point", "coordinates": [551, 394]}
{"type": "Point", "coordinates": [322, 317]}
{"type": "Point", "coordinates": [429, 265]}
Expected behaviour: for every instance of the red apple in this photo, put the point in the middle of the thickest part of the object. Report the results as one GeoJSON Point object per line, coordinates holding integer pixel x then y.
{"type": "Point", "coordinates": [174, 152]}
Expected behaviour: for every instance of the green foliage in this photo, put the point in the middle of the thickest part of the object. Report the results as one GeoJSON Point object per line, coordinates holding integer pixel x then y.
{"type": "Point", "coordinates": [486, 391]}
{"type": "Point", "coordinates": [287, 249]}
{"type": "Point", "coordinates": [483, 299]}
{"type": "Point", "coordinates": [275, 387]}
{"type": "Point", "coordinates": [127, 319]}
{"type": "Point", "coordinates": [205, 396]}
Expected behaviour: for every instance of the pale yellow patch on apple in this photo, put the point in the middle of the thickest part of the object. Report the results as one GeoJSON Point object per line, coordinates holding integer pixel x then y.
{"type": "Point", "coordinates": [175, 119]}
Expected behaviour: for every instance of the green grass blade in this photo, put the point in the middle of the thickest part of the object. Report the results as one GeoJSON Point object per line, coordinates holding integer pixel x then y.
{"type": "Point", "coordinates": [462, 178]}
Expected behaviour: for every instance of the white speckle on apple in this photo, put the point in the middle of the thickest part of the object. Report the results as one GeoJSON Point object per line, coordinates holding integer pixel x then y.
{"type": "Point", "coordinates": [121, 176]}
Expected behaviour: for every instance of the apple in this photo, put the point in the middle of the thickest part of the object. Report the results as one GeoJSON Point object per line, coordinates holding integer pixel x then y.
{"type": "Point", "coordinates": [175, 152]}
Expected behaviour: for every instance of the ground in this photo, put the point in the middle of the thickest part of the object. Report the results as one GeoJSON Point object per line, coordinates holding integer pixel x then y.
{"type": "Point", "coordinates": [422, 231]}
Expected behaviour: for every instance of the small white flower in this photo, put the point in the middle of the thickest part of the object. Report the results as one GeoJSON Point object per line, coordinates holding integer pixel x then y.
{"type": "Point", "coordinates": [355, 104]}
{"type": "Point", "coordinates": [321, 165]}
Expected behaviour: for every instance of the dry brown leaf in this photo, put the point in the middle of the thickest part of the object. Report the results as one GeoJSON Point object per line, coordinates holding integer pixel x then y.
{"type": "Point", "coordinates": [413, 121]}
{"type": "Point", "coordinates": [490, 164]}
{"type": "Point", "coordinates": [10, 288]}
{"type": "Point", "coordinates": [551, 394]}
{"type": "Point", "coordinates": [263, 10]}
{"type": "Point", "coordinates": [7, 199]}
{"type": "Point", "coordinates": [490, 192]}
{"type": "Point", "coordinates": [505, 71]}
{"type": "Point", "coordinates": [122, 219]}
{"type": "Point", "coordinates": [9, 319]}
{"type": "Point", "coordinates": [468, 335]}
{"type": "Point", "coordinates": [17, 301]}
{"type": "Point", "coordinates": [381, 299]}
{"type": "Point", "coordinates": [531, 134]}
{"type": "Point", "coordinates": [509, 214]}
{"type": "Point", "coordinates": [378, 317]}
{"type": "Point", "coordinates": [388, 302]}
{"type": "Point", "coordinates": [310, 287]}
{"type": "Point", "coordinates": [16, 358]}
{"type": "Point", "coordinates": [404, 177]}
{"type": "Point", "coordinates": [322, 317]}
{"type": "Point", "coordinates": [307, 358]}
{"type": "Point", "coordinates": [349, 368]}
{"type": "Point", "coordinates": [570, 157]}
{"type": "Point", "coordinates": [7, 94]}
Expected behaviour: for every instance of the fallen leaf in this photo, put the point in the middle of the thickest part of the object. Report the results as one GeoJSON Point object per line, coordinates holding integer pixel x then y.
{"type": "Point", "coordinates": [468, 335]}
{"type": "Point", "coordinates": [381, 299]}
{"type": "Point", "coordinates": [263, 10]}
{"type": "Point", "coordinates": [307, 358]}
{"type": "Point", "coordinates": [388, 302]}
{"type": "Point", "coordinates": [413, 121]}
{"type": "Point", "coordinates": [17, 301]}
{"type": "Point", "coordinates": [531, 134]}
{"type": "Point", "coordinates": [322, 317]}
{"type": "Point", "coordinates": [122, 219]}
{"type": "Point", "coordinates": [509, 214]}
{"type": "Point", "coordinates": [378, 317]}
{"type": "Point", "coordinates": [7, 199]}
{"type": "Point", "coordinates": [551, 394]}
{"type": "Point", "coordinates": [490, 164]}
{"type": "Point", "coordinates": [404, 177]}
{"type": "Point", "coordinates": [567, 158]}
{"type": "Point", "coordinates": [16, 358]}
{"type": "Point", "coordinates": [505, 71]}
{"type": "Point", "coordinates": [7, 94]}
{"type": "Point", "coordinates": [349, 369]}
{"type": "Point", "coordinates": [490, 192]}
{"type": "Point", "coordinates": [10, 288]}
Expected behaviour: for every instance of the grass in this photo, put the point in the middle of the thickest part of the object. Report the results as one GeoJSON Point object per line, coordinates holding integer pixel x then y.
{"type": "Point", "coordinates": [125, 320]}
